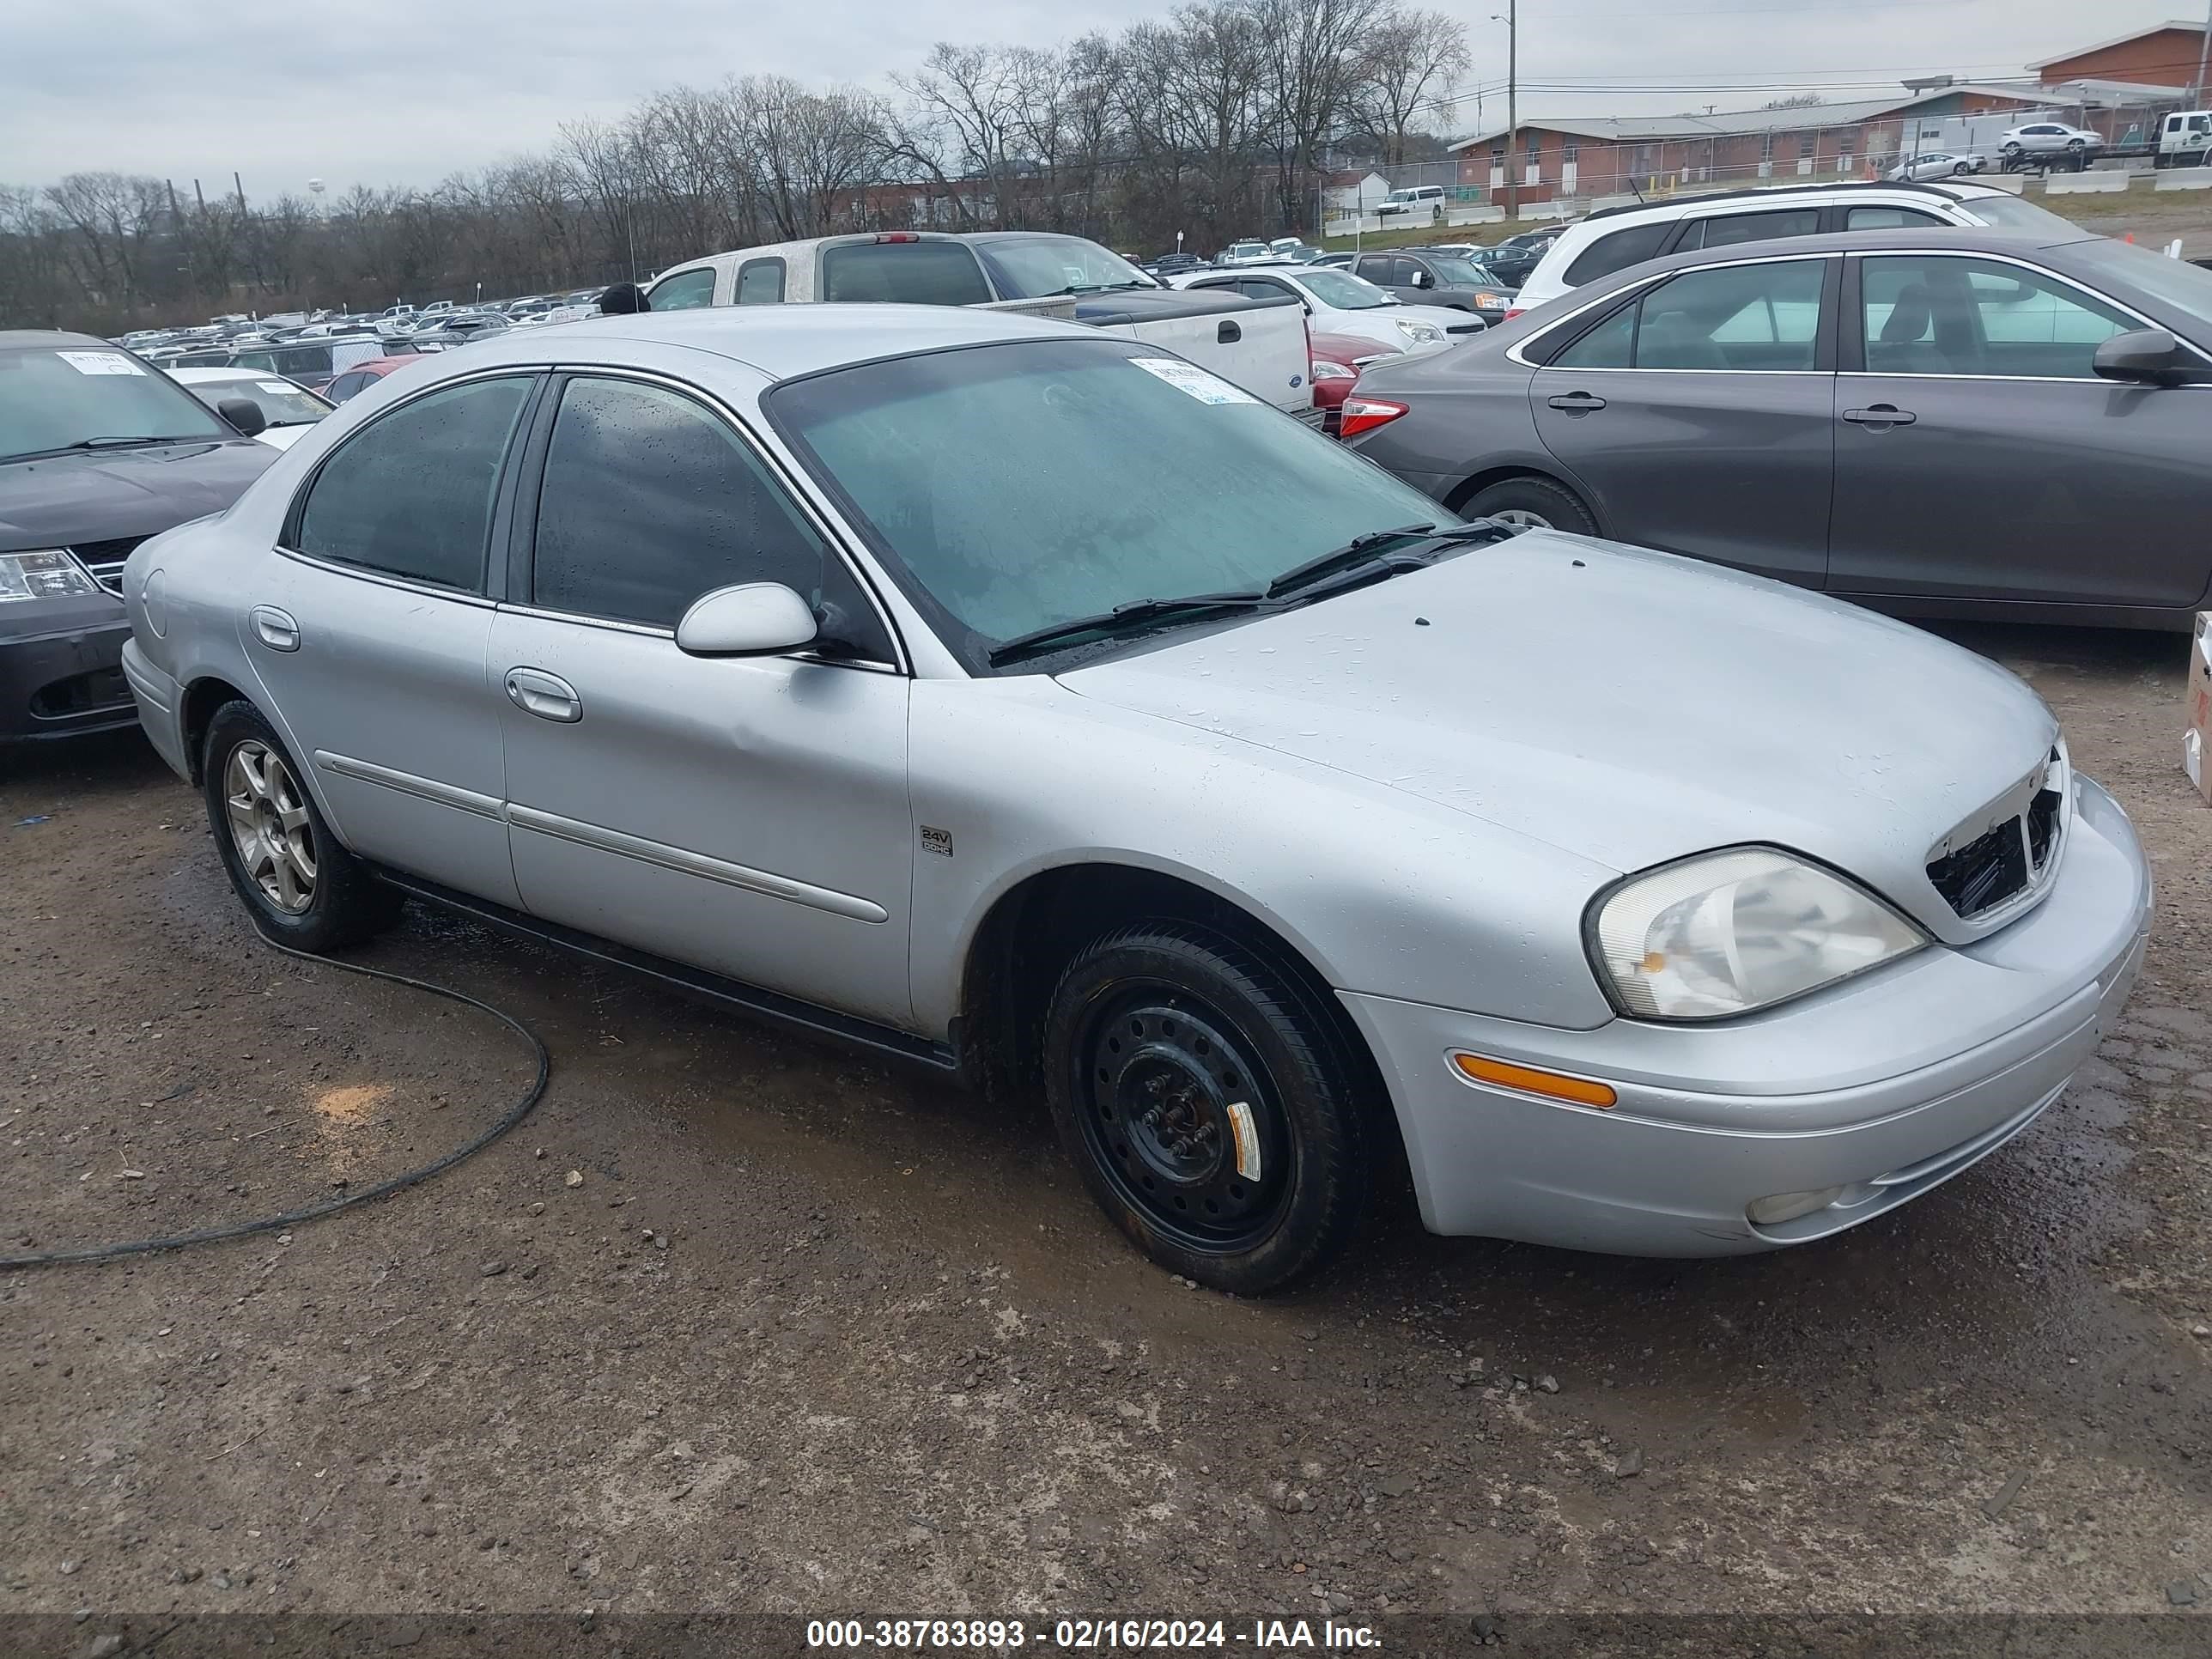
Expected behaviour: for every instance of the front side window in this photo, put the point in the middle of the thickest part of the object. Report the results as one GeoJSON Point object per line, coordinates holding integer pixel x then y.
{"type": "Point", "coordinates": [1887, 218]}
{"type": "Point", "coordinates": [650, 499]}
{"type": "Point", "coordinates": [903, 273]}
{"type": "Point", "coordinates": [412, 493]}
{"type": "Point", "coordinates": [760, 282]}
{"type": "Point", "coordinates": [687, 290]}
{"type": "Point", "coordinates": [1732, 229]}
{"type": "Point", "coordinates": [1011, 487]}
{"type": "Point", "coordinates": [1933, 314]}
{"type": "Point", "coordinates": [1763, 317]}
{"type": "Point", "coordinates": [92, 397]}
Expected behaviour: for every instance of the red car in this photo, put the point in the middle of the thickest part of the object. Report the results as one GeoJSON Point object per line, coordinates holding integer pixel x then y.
{"type": "Point", "coordinates": [363, 375]}
{"type": "Point", "coordinates": [1337, 360]}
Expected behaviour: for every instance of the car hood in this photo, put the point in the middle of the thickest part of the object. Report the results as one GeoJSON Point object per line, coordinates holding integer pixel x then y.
{"type": "Point", "coordinates": [107, 495]}
{"type": "Point", "coordinates": [1626, 706]}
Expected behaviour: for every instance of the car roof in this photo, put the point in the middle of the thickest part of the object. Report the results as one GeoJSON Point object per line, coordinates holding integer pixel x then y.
{"type": "Point", "coordinates": [779, 341]}
{"type": "Point", "coordinates": [1684, 204]}
{"type": "Point", "coordinates": [47, 339]}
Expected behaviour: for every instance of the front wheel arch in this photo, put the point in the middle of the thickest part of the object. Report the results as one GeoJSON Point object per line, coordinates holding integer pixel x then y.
{"type": "Point", "coordinates": [1469, 489]}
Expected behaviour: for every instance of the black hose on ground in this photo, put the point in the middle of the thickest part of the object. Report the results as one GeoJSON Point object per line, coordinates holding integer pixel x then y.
{"type": "Point", "coordinates": [515, 1115]}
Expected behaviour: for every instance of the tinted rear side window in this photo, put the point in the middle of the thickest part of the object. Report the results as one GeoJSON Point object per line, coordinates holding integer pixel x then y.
{"type": "Point", "coordinates": [1616, 252]}
{"type": "Point", "coordinates": [411, 494]}
{"type": "Point", "coordinates": [903, 273]}
{"type": "Point", "coordinates": [1729, 229]}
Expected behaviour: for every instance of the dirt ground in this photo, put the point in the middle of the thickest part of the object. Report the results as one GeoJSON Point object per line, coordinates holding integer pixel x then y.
{"type": "Point", "coordinates": [736, 1323]}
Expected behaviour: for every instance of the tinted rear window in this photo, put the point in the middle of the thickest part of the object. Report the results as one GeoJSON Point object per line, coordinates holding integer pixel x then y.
{"type": "Point", "coordinates": [903, 273]}
{"type": "Point", "coordinates": [1616, 252]}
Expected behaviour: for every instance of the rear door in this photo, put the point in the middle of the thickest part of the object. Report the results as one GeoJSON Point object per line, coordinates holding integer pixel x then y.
{"type": "Point", "coordinates": [371, 637]}
{"type": "Point", "coordinates": [1979, 455]}
{"type": "Point", "coordinates": [1698, 416]}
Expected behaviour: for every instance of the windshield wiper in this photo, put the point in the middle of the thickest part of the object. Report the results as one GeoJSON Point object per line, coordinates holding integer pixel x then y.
{"type": "Point", "coordinates": [117, 443]}
{"type": "Point", "coordinates": [1135, 615]}
{"type": "Point", "coordinates": [1362, 552]}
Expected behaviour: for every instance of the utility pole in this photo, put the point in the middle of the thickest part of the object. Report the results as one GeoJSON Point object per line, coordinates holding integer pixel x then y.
{"type": "Point", "coordinates": [2203, 57]}
{"type": "Point", "coordinates": [1512, 109]}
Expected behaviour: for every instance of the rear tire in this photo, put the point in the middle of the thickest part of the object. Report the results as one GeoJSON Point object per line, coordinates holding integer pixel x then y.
{"type": "Point", "coordinates": [300, 886]}
{"type": "Point", "coordinates": [1537, 502]}
{"type": "Point", "coordinates": [1210, 1104]}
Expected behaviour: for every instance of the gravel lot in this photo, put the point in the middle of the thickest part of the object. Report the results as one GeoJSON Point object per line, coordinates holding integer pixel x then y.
{"type": "Point", "coordinates": [736, 1323]}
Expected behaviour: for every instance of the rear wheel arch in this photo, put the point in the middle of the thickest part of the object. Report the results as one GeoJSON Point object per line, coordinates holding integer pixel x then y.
{"type": "Point", "coordinates": [1464, 492]}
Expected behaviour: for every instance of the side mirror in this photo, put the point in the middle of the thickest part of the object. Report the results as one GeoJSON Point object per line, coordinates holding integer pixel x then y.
{"type": "Point", "coordinates": [2147, 356]}
{"type": "Point", "coordinates": [245, 415]}
{"type": "Point", "coordinates": [753, 619]}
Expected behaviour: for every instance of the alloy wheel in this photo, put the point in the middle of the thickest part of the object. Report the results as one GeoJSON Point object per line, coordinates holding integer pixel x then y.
{"type": "Point", "coordinates": [1522, 515]}
{"type": "Point", "coordinates": [269, 826]}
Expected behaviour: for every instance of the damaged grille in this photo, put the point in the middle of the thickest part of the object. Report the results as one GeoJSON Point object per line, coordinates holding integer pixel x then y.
{"type": "Point", "coordinates": [2012, 856]}
{"type": "Point", "coordinates": [105, 559]}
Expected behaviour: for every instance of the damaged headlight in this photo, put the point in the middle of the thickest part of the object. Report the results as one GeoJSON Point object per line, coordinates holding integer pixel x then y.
{"type": "Point", "coordinates": [1729, 932]}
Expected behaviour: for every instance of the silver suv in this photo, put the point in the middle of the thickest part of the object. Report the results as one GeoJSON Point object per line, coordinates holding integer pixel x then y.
{"type": "Point", "coordinates": [1029, 706]}
{"type": "Point", "coordinates": [1613, 239]}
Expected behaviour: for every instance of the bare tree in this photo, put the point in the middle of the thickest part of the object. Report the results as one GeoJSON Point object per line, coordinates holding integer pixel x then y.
{"type": "Point", "coordinates": [1401, 76]}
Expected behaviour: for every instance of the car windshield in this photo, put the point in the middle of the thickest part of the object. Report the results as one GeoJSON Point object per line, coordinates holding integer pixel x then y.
{"type": "Point", "coordinates": [1458, 268]}
{"type": "Point", "coordinates": [1038, 267]}
{"type": "Point", "coordinates": [281, 402]}
{"type": "Point", "coordinates": [1246, 250]}
{"type": "Point", "coordinates": [1340, 290]}
{"type": "Point", "coordinates": [71, 397]}
{"type": "Point", "coordinates": [2011, 213]}
{"type": "Point", "coordinates": [1012, 487]}
{"type": "Point", "coordinates": [2187, 288]}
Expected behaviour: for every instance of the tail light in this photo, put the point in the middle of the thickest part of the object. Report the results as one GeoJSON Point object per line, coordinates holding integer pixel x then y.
{"type": "Point", "coordinates": [897, 236]}
{"type": "Point", "coordinates": [1511, 312]}
{"type": "Point", "coordinates": [1365, 414]}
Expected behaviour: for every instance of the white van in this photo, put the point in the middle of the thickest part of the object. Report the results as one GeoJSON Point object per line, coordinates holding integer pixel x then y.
{"type": "Point", "coordinates": [2185, 139]}
{"type": "Point", "coordinates": [1424, 202]}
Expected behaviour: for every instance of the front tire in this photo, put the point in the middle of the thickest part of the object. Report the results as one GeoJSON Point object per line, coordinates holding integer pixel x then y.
{"type": "Point", "coordinates": [300, 886]}
{"type": "Point", "coordinates": [1207, 1097]}
{"type": "Point", "coordinates": [1536, 502]}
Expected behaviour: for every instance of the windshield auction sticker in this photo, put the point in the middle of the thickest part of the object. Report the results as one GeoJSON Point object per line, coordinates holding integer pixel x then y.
{"type": "Point", "coordinates": [1190, 379]}
{"type": "Point", "coordinates": [100, 362]}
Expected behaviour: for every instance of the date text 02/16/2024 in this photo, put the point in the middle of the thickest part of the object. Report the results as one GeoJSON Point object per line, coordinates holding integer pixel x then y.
{"type": "Point", "coordinates": [1108, 1635]}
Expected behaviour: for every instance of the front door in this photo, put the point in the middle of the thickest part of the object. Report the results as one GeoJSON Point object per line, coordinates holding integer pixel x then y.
{"type": "Point", "coordinates": [743, 815]}
{"type": "Point", "coordinates": [373, 645]}
{"type": "Point", "coordinates": [1698, 418]}
{"type": "Point", "coordinates": [1979, 455]}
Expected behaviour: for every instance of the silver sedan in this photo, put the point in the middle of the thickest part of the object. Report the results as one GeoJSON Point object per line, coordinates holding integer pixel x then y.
{"type": "Point", "coordinates": [1032, 707]}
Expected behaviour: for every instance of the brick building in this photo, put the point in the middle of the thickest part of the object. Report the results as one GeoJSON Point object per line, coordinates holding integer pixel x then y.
{"type": "Point", "coordinates": [2164, 54]}
{"type": "Point", "coordinates": [1562, 158]}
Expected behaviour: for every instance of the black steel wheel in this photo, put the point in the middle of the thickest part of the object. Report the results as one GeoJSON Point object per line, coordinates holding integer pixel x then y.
{"type": "Point", "coordinates": [1210, 1105]}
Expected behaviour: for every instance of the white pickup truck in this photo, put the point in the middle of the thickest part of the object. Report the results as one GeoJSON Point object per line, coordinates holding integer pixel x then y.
{"type": "Point", "coordinates": [1257, 344]}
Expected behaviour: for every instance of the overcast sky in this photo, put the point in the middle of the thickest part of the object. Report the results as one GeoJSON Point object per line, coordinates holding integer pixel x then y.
{"type": "Point", "coordinates": [406, 91]}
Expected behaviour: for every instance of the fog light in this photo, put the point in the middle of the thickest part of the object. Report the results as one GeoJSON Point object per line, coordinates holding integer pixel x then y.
{"type": "Point", "coordinates": [1788, 1206]}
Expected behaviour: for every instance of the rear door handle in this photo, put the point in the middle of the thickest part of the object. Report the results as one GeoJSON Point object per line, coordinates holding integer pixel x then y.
{"type": "Point", "coordinates": [1880, 417]}
{"type": "Point", "coordinates": [1228, 334]}
{"type": "Point", "coordinates": [548, 696]}
{"type": "Point", "coordinates": [275, 628]}
{"type": "Point", "coordinates": [1577, 402]}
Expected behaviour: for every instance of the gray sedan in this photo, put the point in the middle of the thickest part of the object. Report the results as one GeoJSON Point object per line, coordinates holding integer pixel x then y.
{"type": "Point", "coordinates": [1971, 422]}
{"type": "Point", "coordinates": [1030, 707]}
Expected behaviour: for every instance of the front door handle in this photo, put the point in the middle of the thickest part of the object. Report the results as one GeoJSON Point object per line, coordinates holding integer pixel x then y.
{"type": "Point", "coordinates": [1228, 334]}
{"type": "Point", "coordinates": [1577, 402]}
{"type": "Point", "coordinates": [548, 696]}
{"type": "Point", "coordinates": [1880, 417]}
{"type": "Point", "coordinates": [275, 628]}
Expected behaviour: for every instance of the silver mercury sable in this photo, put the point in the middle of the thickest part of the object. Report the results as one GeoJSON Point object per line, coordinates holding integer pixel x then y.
{"type": "Point", "coordinates": [1030, 705]}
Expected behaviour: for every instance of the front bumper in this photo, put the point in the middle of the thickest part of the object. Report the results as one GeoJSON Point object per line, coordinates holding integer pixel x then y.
{"type": "Point", "coordinates": [1887, 1086]}
{"type": "Point", "coordinates": [160, 709]}
{"type": "Point", "coordinates": [64, 684]}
